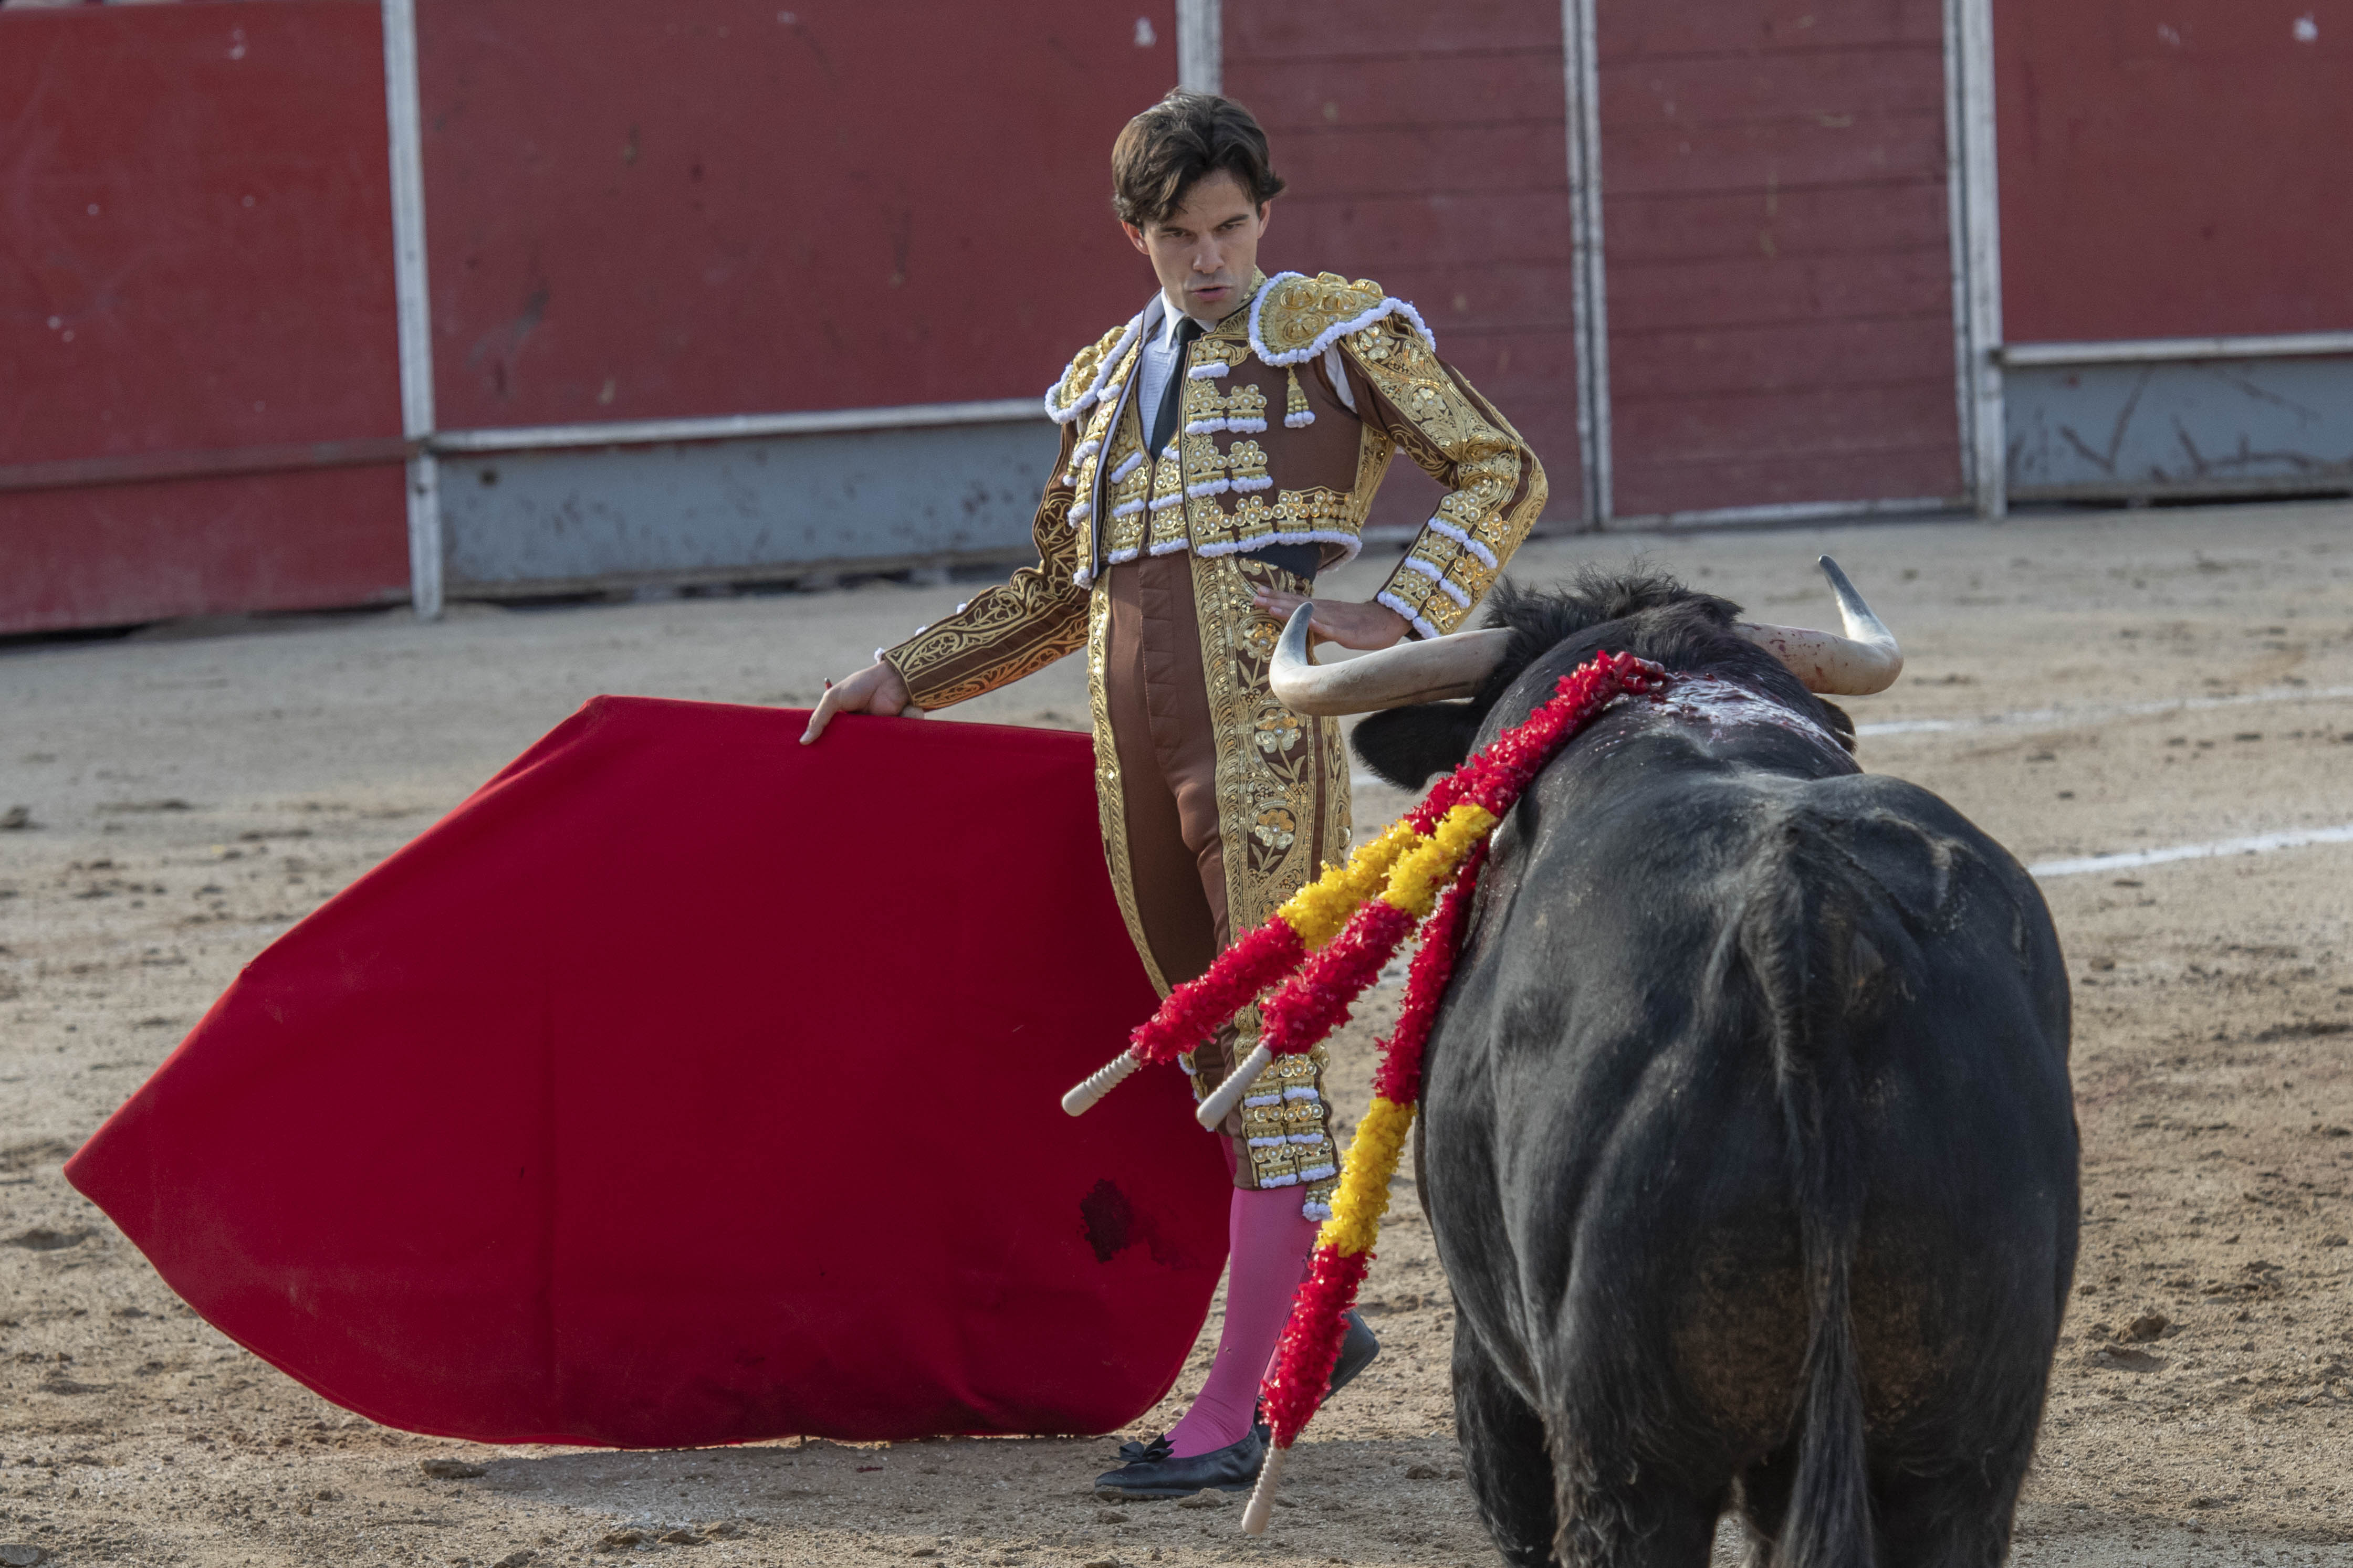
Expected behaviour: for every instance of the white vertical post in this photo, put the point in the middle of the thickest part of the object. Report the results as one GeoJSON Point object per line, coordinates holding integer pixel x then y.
{"type": "Point", "coordinates": [1975, 207]}
{"type": "Point", "coordinates": [1200, 46]}
{"type": "Point", "coordinates": [414, 306]}
{"type": "Point", "coordinates": [1588, 270]}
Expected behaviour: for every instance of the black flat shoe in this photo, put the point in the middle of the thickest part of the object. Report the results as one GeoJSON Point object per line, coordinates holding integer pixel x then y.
{"type": "Point", "coordinates": [1129, 1452]}
{"type": "Point", "coordinates": [1232, 1468]}
{"type": "Point", "coordinates": [1358, 1350]}
{"type": "Point", "coordinates": [1356, 1353]}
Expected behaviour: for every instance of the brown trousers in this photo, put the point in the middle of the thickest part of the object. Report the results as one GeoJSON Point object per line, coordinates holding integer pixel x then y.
{"type": "Point", "coordinates": [1219, 805]}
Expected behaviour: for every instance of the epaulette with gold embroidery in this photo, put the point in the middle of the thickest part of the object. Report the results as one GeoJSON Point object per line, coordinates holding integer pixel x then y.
{"type": "Point", "coordinates": [1082, 382]}
{"type": "Point", "coordinates": [1295, 318]}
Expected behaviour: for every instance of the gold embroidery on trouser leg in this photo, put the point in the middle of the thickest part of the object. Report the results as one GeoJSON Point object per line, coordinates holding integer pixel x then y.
{"type": "Point", "coordinates": [1109, 801]}
{"type": "Point", "coordinates": [1282, 815]}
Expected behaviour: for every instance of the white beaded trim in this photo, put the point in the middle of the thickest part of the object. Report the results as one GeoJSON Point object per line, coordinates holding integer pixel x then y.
{"type": "Point", "coordinates": [1347, 541]}
{"type": "Point", "coordinates": [1260, 483]}
{"type": "Point", "coordinates": [1438, 525]}
{"type": "Point", "coordinates": [1300, 1091]}
{"type": "Point", "coordinates": [1268, 1143]}
{"type": "Point", "coordinates": [1282, 1181]}
{"type": "Point", "coordinates": [1204, 372]}
{"type": "Point", "coordinates": [1299, 421]}
{"type": "Point", "coordinates": [1263, 1100]}
{"type": "Point", "coordinates": [1413, 617]}
{"type": "Point", "coordinates": [1438, 575]}
{"type": "Point", "coordinates": [1389, 306]}
{"type": "Point", "coordinates": [1080, 512]}
{"type": "Point", "coordinates": [1162, 503]}
{"type": "Point", "coordinates": [1135, 461]}
{"type": "Point", "coordinates": [1210, 487]}
{"type": "Point", "coordinates": [1127, 508]}
{"type": "Point", "coordinates": [1317, 1173]}
{"type": "Point", "coordinates": [1103, 373]}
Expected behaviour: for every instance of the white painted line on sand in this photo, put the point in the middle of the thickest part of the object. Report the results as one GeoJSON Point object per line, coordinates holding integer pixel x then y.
{"type": "Point", "coordinates": [2255, 844]}
{"type": "Point", "coordinates": [2074, 718]}
{"type": "Point", "coordinates": [2065, 718]}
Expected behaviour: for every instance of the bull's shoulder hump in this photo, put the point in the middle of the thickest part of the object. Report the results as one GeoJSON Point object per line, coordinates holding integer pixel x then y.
{"type": "Point", "coordinates": [1907, 841]}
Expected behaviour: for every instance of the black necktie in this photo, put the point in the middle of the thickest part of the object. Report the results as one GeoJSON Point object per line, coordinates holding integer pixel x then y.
{"type": "Point", "coordinates": [1172, 397]}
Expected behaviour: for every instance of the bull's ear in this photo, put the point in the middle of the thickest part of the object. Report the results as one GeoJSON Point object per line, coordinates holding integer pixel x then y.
{"type": "Point", "coordinates": [1841, 724]}
{"type": "Point", "coordinates": [1405, 745]}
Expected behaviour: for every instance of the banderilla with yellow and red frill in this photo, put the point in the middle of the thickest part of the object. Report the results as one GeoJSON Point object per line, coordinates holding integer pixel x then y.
{"type": "Point", "coordinates": [1324, 948]}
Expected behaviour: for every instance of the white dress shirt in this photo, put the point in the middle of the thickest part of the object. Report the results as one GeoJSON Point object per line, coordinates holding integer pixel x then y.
{"type": "Point", "coordinates": [1157, 364]}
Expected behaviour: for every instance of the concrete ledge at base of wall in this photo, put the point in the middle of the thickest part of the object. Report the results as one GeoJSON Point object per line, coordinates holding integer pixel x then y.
{"type": "Point", "coordinates": [810, 508]}
{"type": "Point", "coordinates": [979, 566]}
{"type": "Point", "coordinates": [2209, 429]}
{"type": "Point", "coordinates": [1796, 514]}
{"type": "Point", "coordinates": [539, 523]}
{"type": "Point", "coordinates": [2301, 487]}
{"type": "Point", "coordinates": [806, 577]}
{"type": "Point", "coordinates": [974, 566]}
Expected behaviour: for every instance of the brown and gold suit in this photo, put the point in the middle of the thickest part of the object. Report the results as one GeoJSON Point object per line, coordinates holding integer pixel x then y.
{"type": "Point", "coordinates": [1218, 802]}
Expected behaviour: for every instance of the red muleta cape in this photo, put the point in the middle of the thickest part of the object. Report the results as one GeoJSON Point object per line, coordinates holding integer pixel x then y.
{"type": "Point", "coordinates": [687, 1085]}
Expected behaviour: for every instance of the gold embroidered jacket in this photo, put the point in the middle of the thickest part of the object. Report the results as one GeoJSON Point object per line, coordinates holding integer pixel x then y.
{"type": "Point", "coordinates": [1292, 408]}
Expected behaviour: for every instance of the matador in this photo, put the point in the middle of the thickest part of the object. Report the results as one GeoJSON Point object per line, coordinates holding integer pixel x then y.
{"type": "Point", "coordinates": [1219, 450]}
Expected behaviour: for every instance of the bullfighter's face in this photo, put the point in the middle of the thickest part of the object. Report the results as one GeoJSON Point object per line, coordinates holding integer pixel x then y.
{"type": "Point", "coordinates": [1205, 251]}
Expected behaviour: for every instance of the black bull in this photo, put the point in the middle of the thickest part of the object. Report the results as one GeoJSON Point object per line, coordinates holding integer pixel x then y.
{"type": "Point", "coordinates": [1746, 1136]}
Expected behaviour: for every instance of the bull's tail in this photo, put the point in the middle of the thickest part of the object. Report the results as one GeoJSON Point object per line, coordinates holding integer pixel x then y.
{"type": "Point", "coordinates": [1813, 966]}
{"type": "Point", "coordinates": [1829, 1522]}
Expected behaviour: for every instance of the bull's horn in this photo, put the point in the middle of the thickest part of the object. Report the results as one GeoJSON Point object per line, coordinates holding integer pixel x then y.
{"type": "Point", "coordinates": [1863, 661]}
{"type": "Point", "coordinates": [1396, 677]}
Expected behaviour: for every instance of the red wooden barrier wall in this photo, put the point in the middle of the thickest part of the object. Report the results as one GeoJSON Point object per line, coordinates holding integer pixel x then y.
{"type": "Point", "coordinates": [2175, 170]}
{"type": "Point", "coordinates": [636, 213]}
{"type": "Point", "coordinates": [199, 248]}
{"type": "Point", "coordinates": [1780, 272]}
{"type": "Point", "coordinates": [1427, 149]}
{"type": "Point", "coordinates": [652, 211]}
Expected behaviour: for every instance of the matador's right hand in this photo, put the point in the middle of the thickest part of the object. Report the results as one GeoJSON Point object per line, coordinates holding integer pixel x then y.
{"type": "Point", "coordinates": [877, 689]}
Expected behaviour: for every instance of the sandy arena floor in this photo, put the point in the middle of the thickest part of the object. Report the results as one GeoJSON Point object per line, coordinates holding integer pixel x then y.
{"type": "Point", "coordinates": [2186, 677]}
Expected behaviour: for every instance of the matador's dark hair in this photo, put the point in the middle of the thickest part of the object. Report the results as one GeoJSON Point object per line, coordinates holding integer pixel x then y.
{"type": "Point", "coordinates": [1171, 145]}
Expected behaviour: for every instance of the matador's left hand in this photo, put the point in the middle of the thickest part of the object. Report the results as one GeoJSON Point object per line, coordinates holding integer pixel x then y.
{"type": "Point", "coordinates": [1343, 621]}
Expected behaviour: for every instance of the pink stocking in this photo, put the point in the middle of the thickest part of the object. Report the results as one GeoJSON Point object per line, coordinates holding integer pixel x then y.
{"type": "Point", "coordinates": [1269, 1244]}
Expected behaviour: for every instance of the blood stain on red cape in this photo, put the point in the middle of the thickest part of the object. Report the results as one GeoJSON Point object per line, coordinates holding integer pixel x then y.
{"type": "Point", "coordinates": [687, 1085]}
